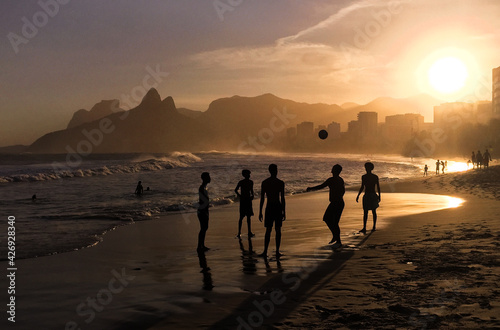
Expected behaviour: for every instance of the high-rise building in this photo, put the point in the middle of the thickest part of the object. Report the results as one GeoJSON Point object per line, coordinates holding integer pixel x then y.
{"type": "Point", "coordinates": [403, 127]}
{"type": "Point", "coordinates": [305, 130]}
{"type": "Point", "coordinates": [333, 130]}
{"type": "Point", "coordinates": [496, 91]}
{"type": "Point", "coordinates": [368, 123]}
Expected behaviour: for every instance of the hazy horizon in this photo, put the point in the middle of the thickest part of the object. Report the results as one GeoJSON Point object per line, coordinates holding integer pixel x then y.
{"type": "Point", "coordinates": [61, 56]}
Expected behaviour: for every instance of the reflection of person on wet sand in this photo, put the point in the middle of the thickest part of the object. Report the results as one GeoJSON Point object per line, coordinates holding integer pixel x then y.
{"type": "Point", "coordinates": [246, 197]}
{"type": "Point", "coordinates": [207, 276]}
{"type": "Point", "coordinates": [370, 198]}
{"type": "Point", "coordinates": [274, 189]}
{"type": "Point", "coordinates": [139, 189]}
{"type": "Point", "coordinates": [247, 258]}
{"type": "Point", "coordinates": [203, 211]}
{"type": "Point", "coordinates": [334, 210]}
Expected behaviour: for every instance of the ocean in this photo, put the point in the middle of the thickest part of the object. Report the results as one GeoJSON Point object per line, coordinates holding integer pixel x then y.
{"type": "Point", "coordinates": [79, 200]}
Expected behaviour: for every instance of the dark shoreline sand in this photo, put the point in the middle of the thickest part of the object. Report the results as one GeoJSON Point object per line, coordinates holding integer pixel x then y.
{"type": "Point", "coordinates": [427, 270]}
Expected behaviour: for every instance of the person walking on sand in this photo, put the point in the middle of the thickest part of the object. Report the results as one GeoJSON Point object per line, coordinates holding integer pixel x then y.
{"type": "Point", "coordinates": [479, 159]}
{"type": "Point", "coordinates": [203, 211]}
{"type": "Point", "coordinates": [139, 189]}
{"type": "Point", "coordinates": [274, 189]}
{"type": "Point", "coordinates": [370, 199]}
{"type": "Point", "coordinates": [246, 196]}
{"type": "Point", "coordinates": [334, 210]}
{"type": "Point", "coordinates": [437, 166]}
{"type": "Point", "coordinates": [486, 159]}
{"type": "Point", "coordinates": [442, 167]}
{"type": "Point", "coordinates": [473, 160]}
{"type": "Point", "coordinates": [426, 168]}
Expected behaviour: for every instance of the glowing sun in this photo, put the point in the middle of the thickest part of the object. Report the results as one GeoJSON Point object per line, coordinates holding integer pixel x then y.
{"type": "Point", "coordinates": [448, 75]}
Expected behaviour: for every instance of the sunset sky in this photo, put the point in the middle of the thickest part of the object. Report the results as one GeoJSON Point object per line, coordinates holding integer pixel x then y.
{"type": "Point", "coordinates": [310, 51]}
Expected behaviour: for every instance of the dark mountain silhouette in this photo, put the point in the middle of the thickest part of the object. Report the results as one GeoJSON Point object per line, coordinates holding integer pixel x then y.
{"type": "Point", "coordinates": [98, 111]}
{"type": "Point", "coordinates": [153, 126]}
{"type": "Point", "coordinates": [189, 113]}
{"type": "Point", "coordinates": [15, 149]}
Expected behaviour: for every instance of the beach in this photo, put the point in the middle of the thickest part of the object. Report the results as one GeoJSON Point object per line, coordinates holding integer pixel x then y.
{"type": "Point", "coordinates": [420, 269]}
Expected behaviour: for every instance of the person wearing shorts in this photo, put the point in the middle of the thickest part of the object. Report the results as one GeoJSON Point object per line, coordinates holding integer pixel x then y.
{"type": "Point", "coordinates": [370, 199]}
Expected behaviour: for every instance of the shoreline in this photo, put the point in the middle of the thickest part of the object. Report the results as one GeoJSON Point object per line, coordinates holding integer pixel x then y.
{"type": "Point", "coordinates": [371, 278]}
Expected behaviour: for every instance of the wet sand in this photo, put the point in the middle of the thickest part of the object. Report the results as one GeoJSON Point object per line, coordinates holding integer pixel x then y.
{"type": "Point", "coordinates": [421, 270]}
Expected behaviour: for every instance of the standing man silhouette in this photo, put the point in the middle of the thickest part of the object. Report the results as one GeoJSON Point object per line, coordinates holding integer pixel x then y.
{"type": "Point", "coordinates": [370, 198]}
{"type": "Point", "coordinates": [246, 198]}
{"type": "Point", "coordinates": [203, 211]}
{"type": "Point", "coordinates": [274, 189]}
{"type": "Point", "coordinates": [334, 210]}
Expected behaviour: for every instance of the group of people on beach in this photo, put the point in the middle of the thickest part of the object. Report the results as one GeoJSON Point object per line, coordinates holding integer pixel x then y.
{"type": "Point", "coordinates": [479, 160]}
{"type": "Point", "coordinates": [273, 189]}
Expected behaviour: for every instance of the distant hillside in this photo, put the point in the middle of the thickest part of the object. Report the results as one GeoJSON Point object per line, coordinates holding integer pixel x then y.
{"type": "Point", "coordinates": [16, 149]}
{"type": "Point", "coordinates": [189, 113]}
{"type": "Point", "coordinates": [98, 111]}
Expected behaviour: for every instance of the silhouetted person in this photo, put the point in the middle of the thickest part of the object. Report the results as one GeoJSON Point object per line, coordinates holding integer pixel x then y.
{"type": "Point", "coordinates": [437, 166]}
{"type": "Point", "coordinates": [468, 164]}
{"type": "Point", "coordinates": [274, 189]}
{"type": "Point", "coordinates": [33, 198]}
{"type": "Point", "coordinates": [486, 158]}
{"type": "Point", "coordinates": [442, 167]}
{"type": "Point", "coordinates": [139, 189]}
{"type": "Point", "coordinates": [370, 198]}
{"type": "Point", "coordinates": [147, 189]}
{"type": "Point", "coordinates": [203, 211]}
{"type": "Point", "coordinates": [479, 159]}
{"type": "Point", "coordinates": [426, 168]}
{"type": "Point", "coordinates": [246, 198]}
{"type": "Point", "coordinates": [473, 159]}
{"type": "Point", "coordinates": [334, 210]}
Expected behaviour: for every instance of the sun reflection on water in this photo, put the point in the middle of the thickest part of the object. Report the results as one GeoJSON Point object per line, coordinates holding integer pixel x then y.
{"type": "Point", "coordinates": [454, 202]}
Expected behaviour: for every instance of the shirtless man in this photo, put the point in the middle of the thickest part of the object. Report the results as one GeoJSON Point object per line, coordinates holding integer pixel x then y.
{"type": "Point", "coordinates": [370, 198]}
{"type": "Point", "coordinates": [274, 189]}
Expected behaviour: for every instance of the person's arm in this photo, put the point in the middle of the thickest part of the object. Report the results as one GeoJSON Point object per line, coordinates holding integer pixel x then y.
{"type": "Point", "coordinates": [318, 187]}
{"type": "Point", "coordinates": [283, 208]}
{"type": "Point", "coordinates": [252, 194]}
{"type": "Point", "coordinates": [360, 189]}
{"type": "Point", "coordinates": [236, 189]}
{"type": "Point", "coordinates": [262, 197]}
{"type": "Point", "coordinates": [378, 188]}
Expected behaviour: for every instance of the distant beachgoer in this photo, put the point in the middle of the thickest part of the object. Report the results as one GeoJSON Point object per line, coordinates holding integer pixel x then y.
{"type": "Point", "coordinates": [468, 164]}
{"type": "Point", "coordinates": [139, 189]}
{"type": "Point", "coordinates": [437, 166]}
{"type": "Point", "coordinates": [246, 196]}
{"type": "Point", "coordinates": [202, 212]}
{"type": "Point", "coordinates": [486, 158]}
{"type": "Point", "coordinates": [147, 189]}
{"type": "Point", "coordinates": [442, 167]}
{"type": "Point", "coordinates": [33, 198]}
{"type": "Point", "coordinates": [479, 159]}
{"type": "Point", "coordinates": [370, 199]}
{"type": "Point", "coordinates": [426, 168]}
{"type": "Point", "coordinates": [473, 160]}
{"type": "Point", "coordinates": [274, 189]}
{"type": "Point", "coordinates": [334, 210]}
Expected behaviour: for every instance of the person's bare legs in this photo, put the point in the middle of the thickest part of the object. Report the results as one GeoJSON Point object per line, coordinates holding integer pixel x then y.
{"type": "Point", "coordinates": [267, 239]}
{"type": "Point", "coordinates": [239, 226]}
{"type": "Point", "coordinates": [278, 241]}
{"type": "Point", "coordinates": [374, 213]}
{"type": "Point", "coordinates": [330, 226]}
{"type": "Point", "coordinates": [365, 218]}
{"type": "Point", "coordinates": [249, 223]}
